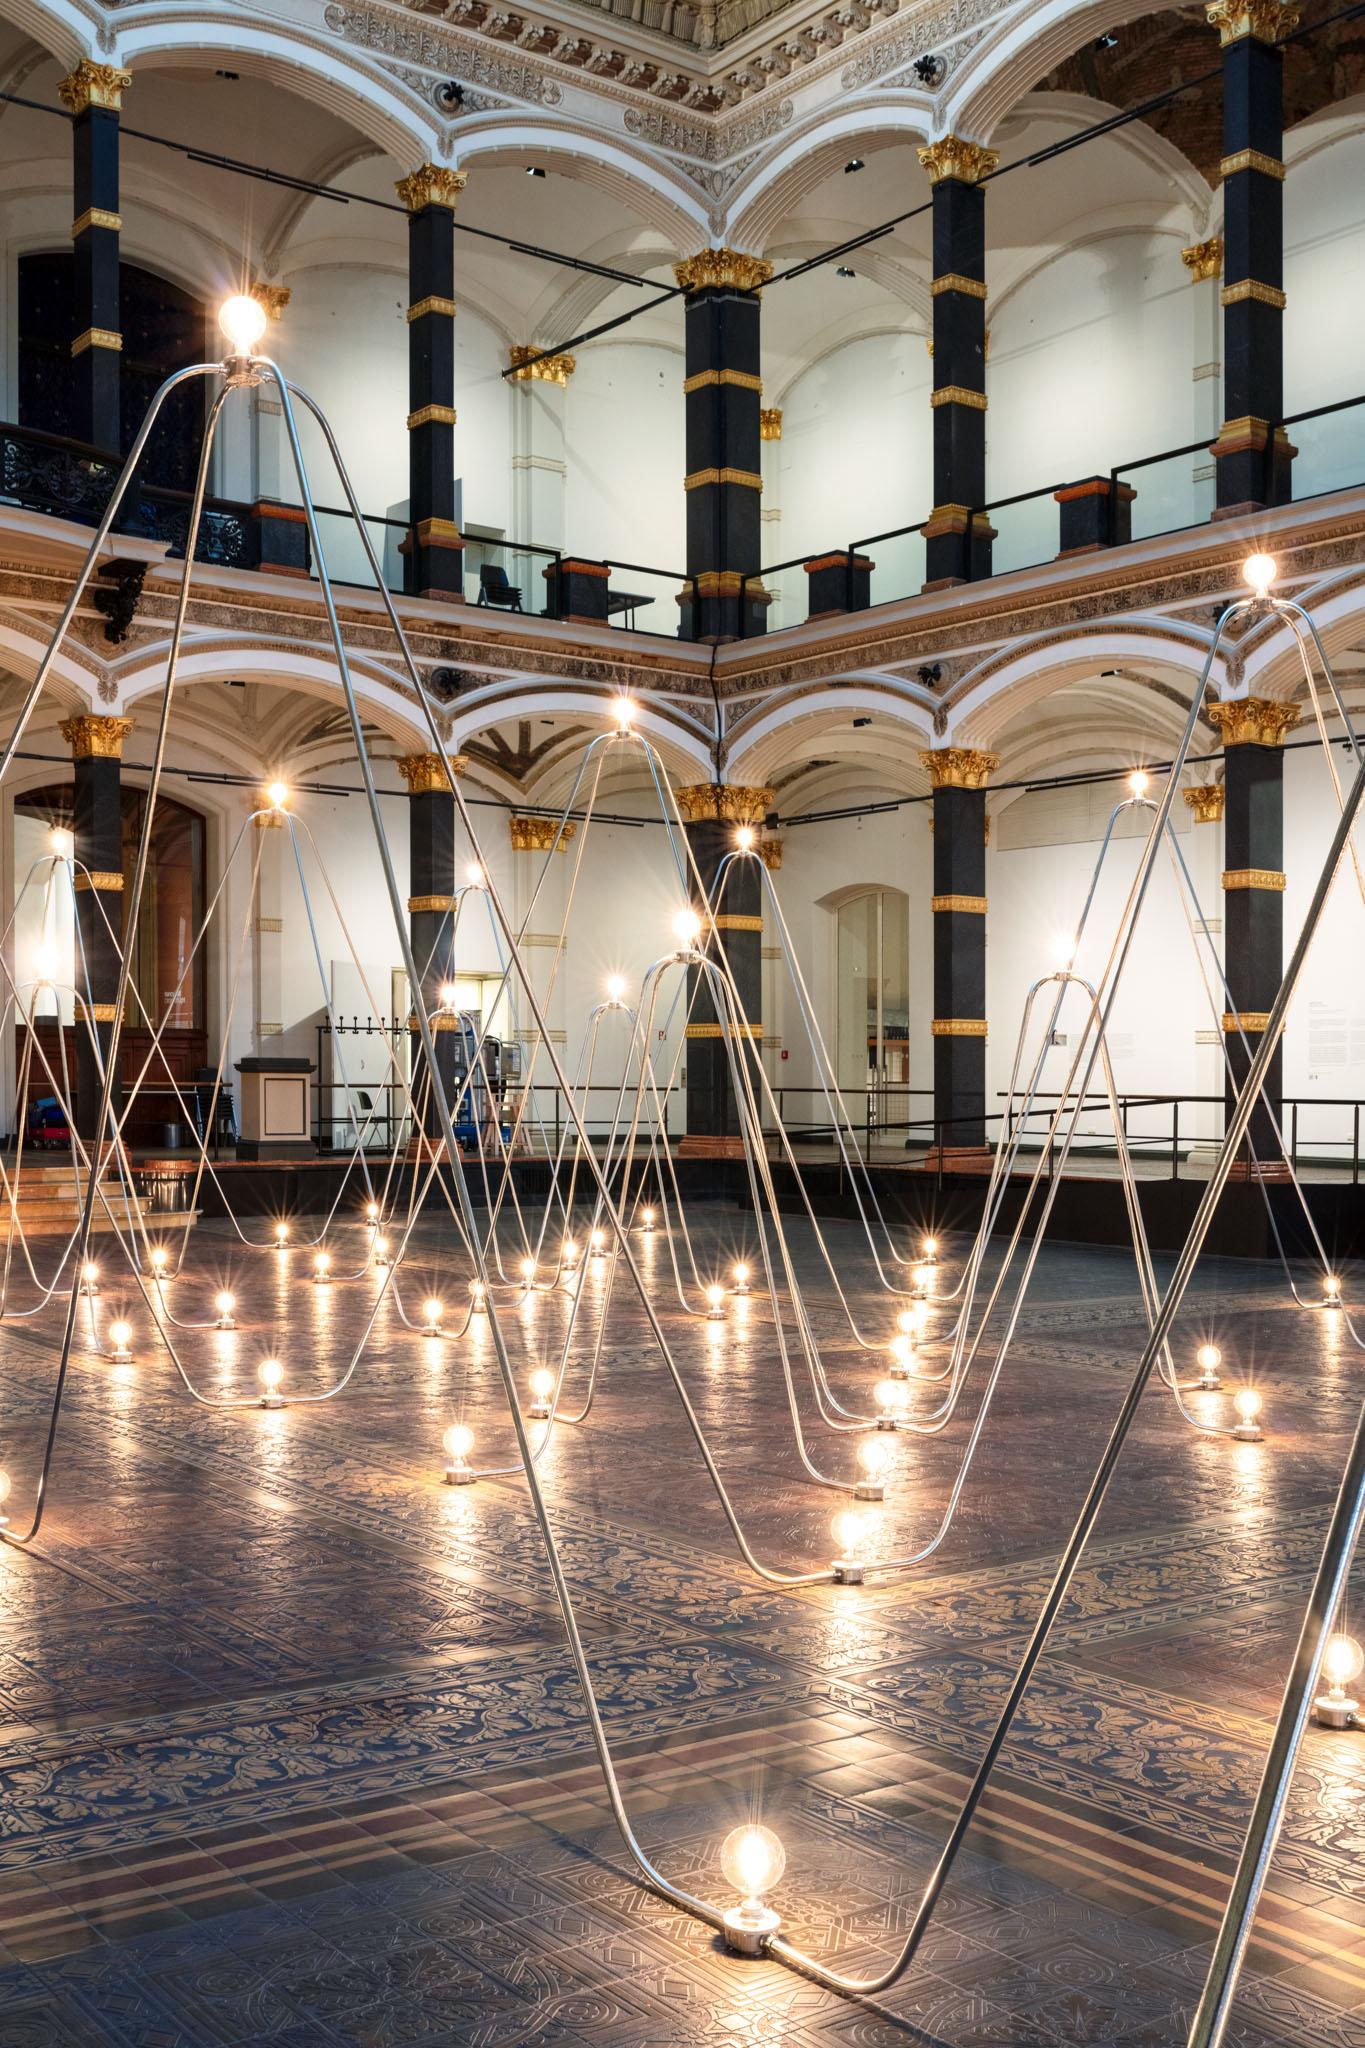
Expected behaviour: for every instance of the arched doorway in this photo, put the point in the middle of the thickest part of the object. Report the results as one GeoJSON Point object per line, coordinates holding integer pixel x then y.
{"type": "Point", "coordinates": [163, 330]}
{"type": "Point", "coordinates": [872, 991]}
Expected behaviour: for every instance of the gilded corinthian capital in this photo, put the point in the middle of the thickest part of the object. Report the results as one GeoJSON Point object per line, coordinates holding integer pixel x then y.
{"type": "Point", "coordinates": [1204, 260]}
{"type": "Point", "coordinates": [730, 802]}
{"type": "Point", "coordinates": [93, 85]}
{"type": "Point", "coordinates": [430, 185]}
{"type": "Point", "coordinates": [721, 270]}
{"type": "Point", "coordinates": [425, 774]}
{"type": "Point", "coordinates": [952, 157]}
{"type": "Point", "coordinates": [959, 767]}
{"type": "Point", "coordinates": [1253, 721]}
{"type": "Point", "coordinates": [1267, 20]}
{"type": "Point", "coordinates": [93, 737]}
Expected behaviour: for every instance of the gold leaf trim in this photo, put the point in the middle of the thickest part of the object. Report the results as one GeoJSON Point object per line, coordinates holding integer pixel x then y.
{"type": "Point", "coordinates": [1250, 1021]}
{"type": "Point", "coordinates": [770, 423]}
{"type": "Point", "coordinates": [736, 921]}
{"type": "Point", "coordinates": [433, 303]}
{"type": "Point", "coordinates": [107, 879]}
{"type": "Point", "coordinates": [432, 415]}
{"type": "Point", "coordinates": [417, 904]}
{"type": "Point", "coordinates": [96, 337]}
{"type": "Point", "coordinates": [1252, 160]}
{"type": "Point", "coordinates": [748, 479]}
{"type": "Point", "coordinates": [96, 217]}
{"type": "Point", "coordinates": [976, 905]}
{"type": "Point", "coordinates": [744, 379]}
{"type": "Point", "coordinates": [556, 369]}
{"type": "Point", "coordinates": [954, 281]}
{"type": "Point", "coordinates": [1254, 878]}
{"type": "Point", "coordinates": [957, 394]}
{"type": "Point", "coordinates": [715, 1031]}
{"type": "Point", "coordinates": [958, 1027]}
{"type": "Point", "coordinates": [97, 1013]}
{"type": "Point", "coordinates": [1251, 288]}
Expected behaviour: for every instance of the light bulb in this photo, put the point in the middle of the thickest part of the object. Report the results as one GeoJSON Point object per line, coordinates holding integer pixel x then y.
{"type": "Point", "coordinates": [851, 1531]}
{"type": "Point", "coordinates": [542, 1383]}
{"type": "Point", "coordinates": [381, 1251]}
{"type": "Point", "coordinates": [907, 1322]}
{"type": "Point", "coordinates": [159, 1257]}
{"type": "Point", "coordinates": [625, 714]}
{"type": "Point", "coordinates": [929, 1248]}
{"type": "Point", "coordinates": [433, 1310]}
{"type": "Point", "coordinates": [889, 1396]}
{"type": "Point", "coordinates": [372, 1211]}
{"type": "Point", "coordinates": [570, 1252]}
{"type": "Point", "coordinates": [1138, 782]}
{"type": "Point", "coordinates": [528, 1270]}
{"type": "Point", "coordinates": [243, 321]}
{"type": "Point", "coordinates": [61, 842]}
{"type": "Point", "coordinates": [44, 962]}
{"type": "Point", "coordinates": [277, 794]}
{"type": "Point", "coordinates": [1259, 572]}
{"type": "Point", "coordinates": [647, 1218]}
{"type": "Point", "coordinates": [924, 1278]}
{"type": "Point", "coordinates": [1210, 1357]}
{"type": "Point", "coordinates": [598, 1239]}
{"type": "Point", "coordinates": [1063, 952]}
{"type": "Point", "coordinates": [322, 1265]}
{"type": "Point", "coordinates": [1247, 1402]}
{"type": "Point", "coordinates": [281, 1234]}
{"type": "Point", "coordinates": [753, 1860]}
{"type": "Point", "coordinates": [686, 927]}
{"type": "Point", "coordinates": [902, 1350]}
{"type": "Point", "coordinates": [741, 1278]}
{"type": "Point", "coordinates": [120, 1334]}
{"type": "Point", "coordinates": [225, 1303]}
{"type": "Point", "coordinates": [919, 1318]}
{"type": "Point", "coordinates": [1342, 1661]}
{"type": "Point", "coordinates": [616, 988]}
{"type": "Point", "coordinates": [715, 1297]}
{"type": "Point", "coordinates": [1331, 1288]}
{"type": "Point", "coordinates": [90, 1277]}
{"type": "Point", "coordinates": [459, 1442]}
{"type": "Point", "coordinates": [447, 995]}
{"type": "Point", "coordinates": [270, 1372]}
{"type": "Point", "coordinates": [744, 838]}
{"type": "Point", "coordinates": [478, 1293]}
{"type": "Point", "coordinates": [876, 1456]}
{"type": "Point", "coordinates": [473, 874]}
{"type": "Point", "coordinates": [6, 1487]}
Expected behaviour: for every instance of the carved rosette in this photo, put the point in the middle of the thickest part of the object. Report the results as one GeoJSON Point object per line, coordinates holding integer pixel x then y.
{"type": "Point", "coordinates": [722, 270]}
{"type": "Point", "coordinates": [93, 738]}
{"type": "Point", "coordinates": [426, 773]}
{"type": "Point", "coordinates": [547, 370]}
{"type": "Point", "coordinates": [93, 85]}
{"type": "Point", "coordinates": [430, 185]}
{"type": "Point", "coordinates": [1206, 800]}
{"type": "Point", "coordinates": [732, 803]}
{"type": "Point", "coordinates": [959, 767]}
{"type": "Point", "coordinates": [540, 835]}
{"type": "Point", "coordinates": [952, 157]}
{"type": "Point", "coordinates": [1267, 20]}
{"type": "Point", "coordinates": [1204, 260]}
{"type": "Point", "coordinates": [1254, 721]}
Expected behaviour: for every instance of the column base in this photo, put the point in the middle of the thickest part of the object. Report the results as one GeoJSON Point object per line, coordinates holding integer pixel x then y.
{"type": "Point", "coordinates": [699, 1145]}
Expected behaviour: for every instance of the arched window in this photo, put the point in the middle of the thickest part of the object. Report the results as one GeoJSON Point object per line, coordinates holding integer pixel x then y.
{"type": "Point", "coordinates": [163, 330]}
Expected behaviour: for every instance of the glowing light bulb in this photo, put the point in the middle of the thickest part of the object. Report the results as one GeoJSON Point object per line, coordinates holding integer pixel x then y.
{"type": "Point", "coordinates": [919, 1318]}
{"type": "Point", "coordinates": [890, 1397]}
{"type": "Point", "coordinates": [528, 1270]}
{"type": "Point", "coordinates": [225, 1303]}
{"type": "Point", "coordinates": [90, 1277]}
{"type": "Point", "coordinates": [647, 1218]}
{"type": "Point", "coordinates": [432, 1310]}
{"type": "Point", "coordinates": [744, 838]}
{"type": "Point", "coordinates": [372, 1212]}
{"type": "Point", "coordinates": [1259, 572]}
{"type": "Point", "coordinates": [120, 1336]}
{"type": "Point", "coordinates": [542, 1385]}
{"type": "Point", "coordinates": [447, 995]}
{"type": "Point", "coordinates": [44, 962]}
{"type": "Point", "coordinates": [62, 842]}
{"type": "Point", "coordinates": [569, 1252]}
{"type": "Point", "coordinates": [458, 1442]}
{"type": "Point", "coordinates": [277, 794]}
{"type": "Point", "coordinates": [715, 1297]}
{"type": "Point", "coordinates": [243, 321]}
{"type": "Point", "coordinates": [381, 1251]}
{"type": "Point", "coordinates": [270, 1372]}
{"type": "Point", "coordinates": [929, 1249]}
{"type": "Point", "coordinates": [322, 1266]}
{"type": "Point", "coordinates": [1209, 1358]}
{"type": "Point", "coordinates": [687, 928]}
{"type": "Point", "coordinates": [597, 1241]}
{"type": "Point", "coordinates": [281, 1235]}
{"type": "Point", "coordinates": [6, 1486]}
{"type": "Point", "coordinates": [906, 1322]}
{"type": "Point", "coordinates": [625, 714]}
{"type": "Point", "coordinates": [478, 1294]}
{"type": "Point", "coordinates": [876, 1456]}
{"type": "Point", "coordinates": [1343, 1660]}
{"type": "Point", "coordinates": [1331, 1288]}
{"type": "Point", "coordinates": [1247, 1403]}
{"type": "Point", "coordinates": [924, 1278]}
{"type": "Point", "coordinates": [159, 1258]}
{"type": "Point", "coordinates": [902, 1350]}
{"type": "Point", "coordinates": [851, 1532]}
{"type": "Point", "coordinates": [473, 874]}
{"type": "Point", "coordinates": [741, 1278]}
{"type": "Point", "coordinates": [1138, 782]}
{"type": "Point", "coordinates": [616, 988]}
{"type": "Point", "coordinates": [753, 1861]}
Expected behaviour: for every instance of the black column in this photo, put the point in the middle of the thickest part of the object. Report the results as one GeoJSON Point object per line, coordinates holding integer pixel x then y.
{"type": "Point", "coordinates": [1252, 452]}
{"type": "Point", "coordinates": [957, 547]}
{"type": "Point", "coordinates": [92, 95]}
{"type": "Point", "coordinates": [431, 899]}
{"type": "Point", "coordinates": [434, 545]}
{"type": "Point", "coordinates": [715, 814]}
{"type": "Point", "coordinates": [723, 392]}
{"type": "Point", "coordinates": [1253, 731]}
{"type": "Point", "coordinates": [959, 776]}
{"type": "Point", "coordinates": [97, 829]}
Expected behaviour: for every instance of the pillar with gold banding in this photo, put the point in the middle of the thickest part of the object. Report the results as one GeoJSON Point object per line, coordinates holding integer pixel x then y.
{"type": "Point", "coordinates": [431, 899]}
{"type": "Point", "coordinates": [93, 95]}
{"type": "Point", "coordinates": [96, 745]}
{"type": "Point", "coordinates": [713, 813]}
{"type": "Point", "coordinates": [1252, 452]}
{"type": "Point", "coordinates": [433, 548]}
{"type": "Point", "coordinates": [723, 394]}
{"type": "Point", "coordinates": [1253, 731]}
{"type": "Point", "coordinates": [958, 546]}
{"type": "Point", "coordinates": [959, 776]}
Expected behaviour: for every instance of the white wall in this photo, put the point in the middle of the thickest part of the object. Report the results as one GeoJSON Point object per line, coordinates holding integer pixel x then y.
{"type": "Point", "coordinates": [626, 455]}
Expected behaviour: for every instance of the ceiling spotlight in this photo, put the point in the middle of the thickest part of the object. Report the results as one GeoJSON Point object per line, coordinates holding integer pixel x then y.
{"type": "Point", "coordinates": [844, 271]}
{"type": "Point", "coordinates": [855, 163]}
{"type": "Point", "coordinates": [534, 171]}
{"type": "Point", "coordinates": [1105, 43]}
{"type": "Point", "coordinates": [243, 320]}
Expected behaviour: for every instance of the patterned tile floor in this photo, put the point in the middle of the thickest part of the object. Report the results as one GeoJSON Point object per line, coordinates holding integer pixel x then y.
{"type": "Point", "coordinates": [291, 1752]}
